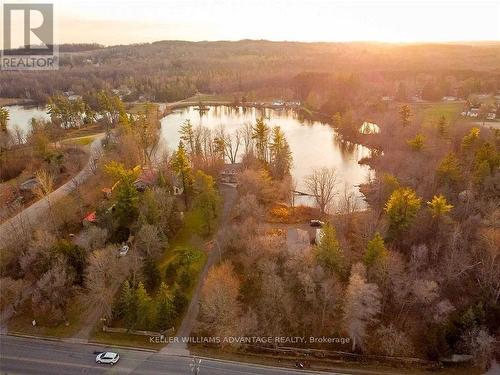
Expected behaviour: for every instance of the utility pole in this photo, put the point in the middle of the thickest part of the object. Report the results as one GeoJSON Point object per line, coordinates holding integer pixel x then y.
{"type": "Point", "coordinates": [195, 366]}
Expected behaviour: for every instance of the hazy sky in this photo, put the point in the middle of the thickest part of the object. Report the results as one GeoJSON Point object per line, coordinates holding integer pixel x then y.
{"type": "Point", "coordinates": [123, 22]}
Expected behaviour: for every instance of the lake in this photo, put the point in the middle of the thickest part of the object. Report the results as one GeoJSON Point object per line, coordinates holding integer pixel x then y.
{"type": "Point", "coordinates": [20, 116]}
{"type": "Point", "coordinates": [313, 144]}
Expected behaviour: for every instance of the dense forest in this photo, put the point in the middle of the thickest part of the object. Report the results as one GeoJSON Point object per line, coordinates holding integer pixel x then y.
{"type": "Point", "coordinates": [313, 72]}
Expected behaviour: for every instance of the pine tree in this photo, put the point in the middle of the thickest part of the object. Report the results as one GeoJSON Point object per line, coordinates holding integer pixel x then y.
{"type": "Point", "coordinates": [417, 143]}
{"type": "Point", "coordinates": [187, 136]}
{"type": "Point", "coordinates": [126, 196]}
{"type": "Point", "coordinates": [206, 200]}
{"type": "Point", "coordinates": [4, 118]}
{"type": "Point", "coordinates": [442, 127]}
{"type": "Point", "coordinates": [439, 206]}
{"type": "Point", "coordinates": [470, 139]}
{"type": "Point", "coordinates": [281, 156]}
{"type": "Point", "coordinates": [328, 251]}
{"type": "Point", "coordinates": [376, 251]}
{"type": "Point", "coordinates": [401, 208]}
{"type": "Point", "coordinates": [165, 311]}
{"type": "Point", "coordinates": [127, 307]}
{"type": "Point", "coordinates": [145, 307]}
{"type": "Point", "coordinates": [152, 276]}
{"type": "Point", "coordinates": [449, 170]}
{"type": "Point", "coordinates": [261, 137]}
{"type": "Point", "coordinates": [405, 113]}
{"type": "Point", "coordinates": [182, 166]}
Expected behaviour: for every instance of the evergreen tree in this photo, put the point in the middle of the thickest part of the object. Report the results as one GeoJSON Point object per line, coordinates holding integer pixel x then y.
{"type": "Point", "coordinates": [401, 208]}
{"type": "Point", "coordinates": [281, 156]}
{"type": "Point", "coordinates": [145, 307]}
{"type": "Point", "coordinates": [206, 201]}
{"type": "Point", "coordinates": [126, 196]}
{"type": "Point", "coordinates": [470, 139]}
{"type": "Point", "coordinates": [182, 166]}
{"type": "Point", "coordinates": [165, 310]}
{"type": "Point", "coordinates": [180, 301]}
{"type": "Point", "coordinates": [261, 137]}
{"type": "Point", "coordinates": [4, 118]}
{"type": "Point", "coordinates": [405, 113]}
{"type": "Point", "coordinates": [127, 307]}
{"type": "Point", "coordinates": [486, 162]}
{"type": "Point", "coordinates": [375, 252]}
{"type": "Point", "coordinates": [187, 137]}
{"type": "Point", "coordinates": [449, 170]}
{"type": "Point", "coordinates": [417, 143]}
{"type": "Point", "coordinates": [328, 251]}
{"type": "Point", "coordinates": [151, 273]}
{"type": "Point", "coordinates": [439, 206]}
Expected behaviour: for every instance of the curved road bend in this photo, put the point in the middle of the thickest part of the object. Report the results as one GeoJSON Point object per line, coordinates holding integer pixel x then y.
{"type": "Point", "coordinates": [13, 228]}
{"type": "Point", "coordinates": [41, 357]}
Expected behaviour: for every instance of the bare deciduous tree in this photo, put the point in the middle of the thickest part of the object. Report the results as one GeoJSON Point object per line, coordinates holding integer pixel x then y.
{"type": "Point", "coordinates": [362, 305]}
{"type": "Point", "coordinates": [392, 341]}
{"type": "Point", "coordinates": [149, 241]}
{"type": "Point", "coordinates": [51, 294]}
{"type": "Point", "coordinates": [219, 306]}
{"type": "Point", "coordinates": [321, 184]}
{"type": "Point", "coordinates": [228, 144]}
{"type": "Point", "coordinates": [247, 134]}
{"type": "Point", "coordinates": [11, 292]}
{"type": "Point", "coordinates": [103, 278]}
{"type": "Point", "coordinates": [92, 238]}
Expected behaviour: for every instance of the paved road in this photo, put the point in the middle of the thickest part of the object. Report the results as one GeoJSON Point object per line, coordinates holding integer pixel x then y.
{"type": "Point", "coordinates": [15, 228]}
{"type": "Point", "coordinates": [31, 356]}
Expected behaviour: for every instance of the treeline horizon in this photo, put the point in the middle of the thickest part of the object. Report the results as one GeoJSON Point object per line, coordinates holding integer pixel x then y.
{"type": "Point", "coordinates": [325, 77]}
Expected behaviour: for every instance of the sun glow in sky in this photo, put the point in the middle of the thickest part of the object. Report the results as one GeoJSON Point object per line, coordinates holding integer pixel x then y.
{"type": "Point", "coordinates": [124, 21]}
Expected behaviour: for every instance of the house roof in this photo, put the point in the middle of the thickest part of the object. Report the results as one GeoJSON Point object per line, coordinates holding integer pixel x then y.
{"type": "Point", "coordinates": [91, 217]}
{"type": "Point", "coordinates": [148, 176]}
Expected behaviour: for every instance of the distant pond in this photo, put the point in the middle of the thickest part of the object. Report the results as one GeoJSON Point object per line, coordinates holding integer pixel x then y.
{"type": "Point", "coordinates": [313, 144]}
{"type": "Point", "coordinates": [20, 117]}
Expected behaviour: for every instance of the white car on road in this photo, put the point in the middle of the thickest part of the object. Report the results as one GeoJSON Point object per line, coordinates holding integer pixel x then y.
{"type": "Point", "coordinates": [107, 357]}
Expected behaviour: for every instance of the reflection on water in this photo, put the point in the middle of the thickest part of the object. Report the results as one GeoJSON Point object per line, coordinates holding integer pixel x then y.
{"type": "Point", "coordinates": [313, 144]}
{"type": "Point", "coordinates": [20, 117]}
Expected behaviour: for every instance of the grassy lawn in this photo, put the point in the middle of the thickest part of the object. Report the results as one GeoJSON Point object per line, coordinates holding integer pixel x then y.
{"type": "Point", "coordinates": [22, 323]}
{"type": "Point", "coordinates": [134, 108]}
{"type": "Point", "coordinates": [80, 141]}
{"type": "Point", "coordinates": [123, 339]}
{"type": "Point", "coordinates": [85, 131]}
{"type": "Point", "coordinates": [189, 242]}
{"type": "Point", "coordinates": [432, 112]}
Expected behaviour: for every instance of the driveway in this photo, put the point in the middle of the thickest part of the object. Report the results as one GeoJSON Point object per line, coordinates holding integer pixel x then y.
{"type": "Point", "coordinates": [179, 347]}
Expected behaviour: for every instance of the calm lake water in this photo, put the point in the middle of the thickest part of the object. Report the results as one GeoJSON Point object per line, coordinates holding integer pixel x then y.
{"type": "Point", "coordinates": [313, 144]}
{"type": "Point", "coordinates": [21, 116]}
